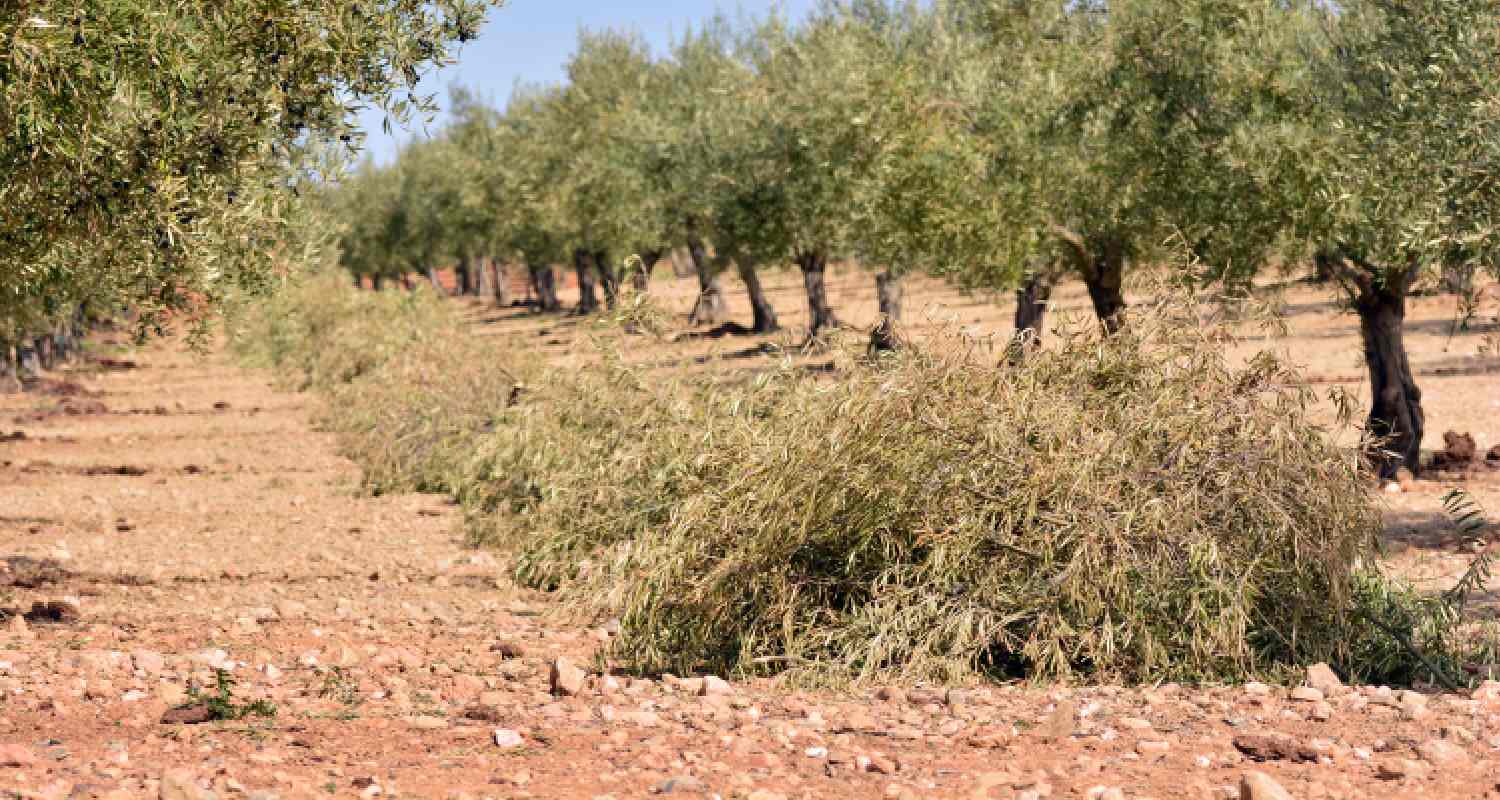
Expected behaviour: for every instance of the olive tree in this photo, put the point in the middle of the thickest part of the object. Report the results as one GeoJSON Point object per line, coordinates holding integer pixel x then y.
{"type": "Point", "coordinates": [1402, 122]}
{"type": "Point", "coordinates": [151, 146]}
{"type": "Point", "coordinates": [1116, 127]}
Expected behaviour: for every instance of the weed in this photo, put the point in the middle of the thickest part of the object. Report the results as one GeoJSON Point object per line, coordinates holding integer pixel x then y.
{"type": "Point", "coordinates": [340, 687]}
{"type": "Point", "coordinates": [220, 702]}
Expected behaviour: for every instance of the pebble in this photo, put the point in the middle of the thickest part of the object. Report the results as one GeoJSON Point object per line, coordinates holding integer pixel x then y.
{"type": "Point", "coordinates": [685, 784]}
{"type": "Point", "coordinates": [1061, 723]}
{"type": "Point", "coordinates": [507, 739]}
{"type": "Point", "coordinates": [1320, 676]}
{"type": "Point", "coordinates": [1260, 786]}
{"type": "Point", "coordinates": [1152, 747]}
{"type": "Point", "coordinates": [566, 678]}
{"type": "Point", "coordinates": [15, 755]}
{"type": "Point", "coordinates": [1307, 694]}
{"type": "Point", "coordinates": [1396, 769]}
{"type": "Point", "coordinates": [1441, 752]}
{"type": "Point", "coordinates": [180, 785]}
{"type": "Point", "coordinates": [714, 685]}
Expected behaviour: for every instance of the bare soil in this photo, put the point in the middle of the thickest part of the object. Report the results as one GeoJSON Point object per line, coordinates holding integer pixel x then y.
{"type": "Point", "coordinates": [192, 521]}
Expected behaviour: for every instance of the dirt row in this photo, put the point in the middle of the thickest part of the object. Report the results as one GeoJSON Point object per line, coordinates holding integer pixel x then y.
{"type": "Point", "coordinates": [197, 603]}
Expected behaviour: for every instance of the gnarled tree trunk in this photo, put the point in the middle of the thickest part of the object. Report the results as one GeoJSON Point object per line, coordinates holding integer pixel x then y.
{"type": "Point", "coordinates": [760, 305]}
{"type": "Point", "coordinates": [888, 291]}
{"type": "Point", "coordinates": [484, 278]}
{"type": "Point", "coordinates": [588, 300]}
{"type": "Point", "coordinates": [609, 277]}
{"type": "Point", "coordinates": [432, 278]}
{"type": "Point", "coordinates": [1104, 276]}
{"type": "Point", "coordinates": [46, 354]}
{"type": "Point", "coordinates": [1396, 420]}
{"type": "Point", "coordinates": [9, 381]}
{"type": "Point", "coordinates": [640, 280]}
{"type": "Point", "coordinates": [820, 314]}
{"type": "Point", "coordinates": [27, 364]}
{"type": "Point", "coordinates": [464, 274]}
{"type": "Point", "coordinates": [500, 283]}
{"type": "Point", "coordinates": [1031, 313]}
{"type": "Point", "coordinates": [544, 284]}
{"type": "Point", "coordinates": [710, 306]}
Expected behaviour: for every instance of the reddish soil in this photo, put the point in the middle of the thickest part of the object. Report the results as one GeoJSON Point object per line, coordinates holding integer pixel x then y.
{"type": "Point", "coordinates": [201, 523]}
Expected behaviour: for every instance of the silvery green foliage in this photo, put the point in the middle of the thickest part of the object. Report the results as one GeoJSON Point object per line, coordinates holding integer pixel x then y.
{"type": "Point", "coordinates": [152, 148]}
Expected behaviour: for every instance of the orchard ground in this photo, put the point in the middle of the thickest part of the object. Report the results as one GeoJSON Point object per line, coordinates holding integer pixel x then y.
{"type": "Point", "coordinates": [182, 517]}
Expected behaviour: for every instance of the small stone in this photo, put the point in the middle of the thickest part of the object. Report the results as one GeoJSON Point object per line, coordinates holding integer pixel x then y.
{"type": "Point", "coordinates": [507, 739]}
{"type": "Point", "coordinates": [148, 661]}
{"type": "Point", "coordinates": [1441, 752]}
{"type": "Point", "coordinates": [566, 678]}
{"type": "Point", "coordinates": [15, 755]}
{"type": "Point", "coordinates": [1152, 747]}
{"type": "Point", "coordinates": [1260, 786]}
{"type": "Point", "coordinates": [508, 649]}
{"type": "Point", "coordinates": [685, 784]}
{"type": "Point", "coordinates": [890, 694]}
{"type": "Point", "coordinates": [1321, 711]}
{"type": "Point", "coordinates": [426, 723]}
{"type": "Point", "coordinates": [1320, 676]}
{"type": "Point", "coordinates": [1061, 723]}
{"type": "Point", "coordinates": [1396, 769]}
{"type": "Point", "coordinates": [1257, 689]}
{"type": "Point", "coordinates": [1106, 793]}
{"type": "Point", "coordinates": [714, 685]}
{"type": "Point", "coordinates": [291, 609]}
{"type": "Point", "coordinates": [1307, 694]}
{"type": "Point", "coordinates": [880, 765]}
{"type": "Point", "coordinates": [180, 785]}
{"type": "Point", "coordinates": [1134, 724]}
{"type": "Point", "coordinates": [195, 714]}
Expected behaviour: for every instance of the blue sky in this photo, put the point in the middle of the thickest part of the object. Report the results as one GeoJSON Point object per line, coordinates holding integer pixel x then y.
{"type": "Point", "coordinates": [531, 40]}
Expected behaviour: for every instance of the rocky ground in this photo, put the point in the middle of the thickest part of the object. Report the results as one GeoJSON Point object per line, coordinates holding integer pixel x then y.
{"type": "Point", "coordinates": [181, 521]}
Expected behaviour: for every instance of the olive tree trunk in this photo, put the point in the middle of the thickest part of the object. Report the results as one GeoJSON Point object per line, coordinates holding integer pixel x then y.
{"type": "Point", "coordinates": [640, 280]}
{"type": "Point", "coordinates": [888, 291]}
{"type": "Point", "coordinates": [544, 285]}
{"type": "Point", "coordinates": [9, 369]}
{"type": "Point", "coordinates": [27, 364]}
{"type": "Point", "coordinates": [588, 299]}
{"type": "Point", "coordinates": [820, 315]}
{"type": "Point", "coordinates": [463, 272]}
{"type": "Point", "coordinates": [710, 307]}
{"type": "Point", "coordinates": [609, 277]}
{"type": "Point", "coordinates": [377, 282]}
{"type": "Point", "coordinates": [46, 354]}
{"type": "Point", "coordinates": [500, 283]}
{"type": "Point", "coordinates": [760, 305]}
{"type": "Point", "coordinates": [1396, 421]}
{"type": "Point", "coordinates": [432, 278]}
{"type": "Point", "coordinates": [1031, 313]}
{"type": "Point", "coordinates": [1104, 276]}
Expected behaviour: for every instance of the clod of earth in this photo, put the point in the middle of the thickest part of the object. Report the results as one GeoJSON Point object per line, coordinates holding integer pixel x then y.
{"type": "Point", "coordinates": [1274, 747]}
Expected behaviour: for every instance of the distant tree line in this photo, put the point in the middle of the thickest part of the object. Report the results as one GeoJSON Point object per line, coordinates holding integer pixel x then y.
{"type": "Point", "coordinates": [1000, 144]}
